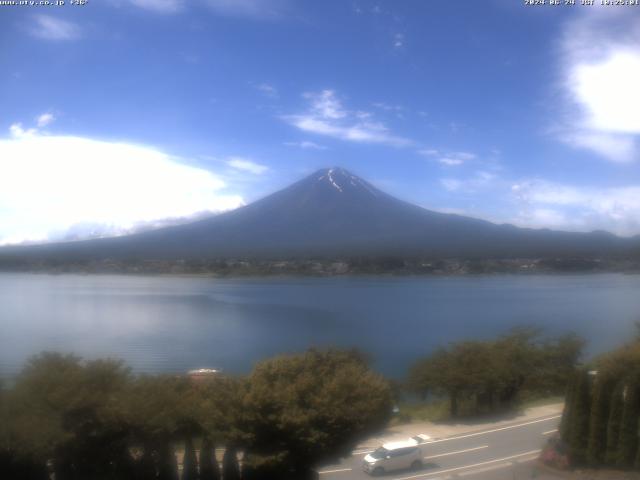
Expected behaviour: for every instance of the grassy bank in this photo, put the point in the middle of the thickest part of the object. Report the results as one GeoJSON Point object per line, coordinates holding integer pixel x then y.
{"type": "Point", "coordinates": [438, 410]}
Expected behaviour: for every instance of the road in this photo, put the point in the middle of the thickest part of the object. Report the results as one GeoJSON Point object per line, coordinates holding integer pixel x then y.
{"type": "Point", "coordinates": [467, 455]}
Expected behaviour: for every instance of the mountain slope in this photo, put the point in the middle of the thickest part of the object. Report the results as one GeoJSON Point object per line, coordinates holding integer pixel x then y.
{"type": "Point", "coordinates": [333, 212]}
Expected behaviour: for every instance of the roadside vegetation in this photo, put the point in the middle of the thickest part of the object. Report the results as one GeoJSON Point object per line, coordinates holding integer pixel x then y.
{"type": "Point", "coordinates": [601, 423]}
{"type": "Point", "coordinates": [95, 420]}
{"type": "Point", "coordinates": [472, 378]}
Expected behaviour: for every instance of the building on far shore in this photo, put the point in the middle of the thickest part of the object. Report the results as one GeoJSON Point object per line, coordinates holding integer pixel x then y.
{"type": "Point", "coordinates": [202, 374]}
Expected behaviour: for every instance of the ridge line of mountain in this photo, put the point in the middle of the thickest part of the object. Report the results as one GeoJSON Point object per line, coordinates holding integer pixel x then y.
{"type": "Point", "coordinates": [330, 214]}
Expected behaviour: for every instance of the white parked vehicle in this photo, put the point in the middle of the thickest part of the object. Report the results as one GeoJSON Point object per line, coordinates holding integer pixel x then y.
{"type": "Point", "coordinates": [391, 456]}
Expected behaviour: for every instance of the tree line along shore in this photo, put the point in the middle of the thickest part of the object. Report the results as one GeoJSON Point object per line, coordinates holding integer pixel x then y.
{"type": "Point", "coordinates": [94, 419]}
{"type": "Point", "coordinates": [239, 267]}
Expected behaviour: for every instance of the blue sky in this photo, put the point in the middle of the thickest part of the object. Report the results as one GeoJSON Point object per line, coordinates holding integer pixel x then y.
{"type": "Point", "coordinates": [127, 112]}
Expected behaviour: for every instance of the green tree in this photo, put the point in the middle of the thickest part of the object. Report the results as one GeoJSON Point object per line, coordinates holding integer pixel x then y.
{"type": "Point", "coordinates": [423, 377]}
{"type": "Point", "coordinates": [613, 425]}
{"type": "Point", "coordinates": [189, 462]}
{"type": "Point", "coordinates": [209, 469]}
{"type": "Point", "coordinates": [249, 471]}
{"type": "Point", "coordinates": [567, 415]}
{"type": "Point", "coordinates": [230, 467]}
{"type": "Point", "coordinates": [461, 372]}
{"type": "Point", "coordinates": [167, 464]}
{"type": "Point", "coordinates": [596, 447]}
{"type": "Point", "coordinates": [628, 442]}
{"type": "Point", "coordinates": [313, 407]}
{"type": "Point", "coordinates": [558, 358]}
{"type": "Point", "coordinates": [156, 410]}
{"type": "Point", "coordinates": [516, 359]}
{"type": "Point", "coordinates": [220, 411]}
{"type": "Point", "coordinates": [579, 432]}
{"type": "Point", "coordinates": [70, 411]}
{"type": "Point", "coordinates": [491, 375]}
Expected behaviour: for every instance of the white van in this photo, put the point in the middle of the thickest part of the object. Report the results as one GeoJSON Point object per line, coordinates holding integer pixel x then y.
{"type": "Point", "coordinates": [391, 456]}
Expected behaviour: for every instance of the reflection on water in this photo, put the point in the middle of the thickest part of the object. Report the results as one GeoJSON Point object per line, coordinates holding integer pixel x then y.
{"type": "Point", "coordinates": [175, 323]}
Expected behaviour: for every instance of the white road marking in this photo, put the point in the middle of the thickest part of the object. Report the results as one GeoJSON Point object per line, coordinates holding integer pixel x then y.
{"type": "Point", "coordinates": [528, 459]}
{"type": "Point", "coordinates": [336, 470]}
{"type": "Point", "coordinates": [550, 431]}
{"type": "Point", "coordinates": [439, 472]}
{"type": "Point", "coordinates": [475, 434]}
{"type": "Point", "coordinates": [486, 469]}
{"type": "Point", "coordinates": [458, 451]}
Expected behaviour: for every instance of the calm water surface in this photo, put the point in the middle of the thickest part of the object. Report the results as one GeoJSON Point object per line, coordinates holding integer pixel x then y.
{"type": "Point", "coordinates": [174, 324]}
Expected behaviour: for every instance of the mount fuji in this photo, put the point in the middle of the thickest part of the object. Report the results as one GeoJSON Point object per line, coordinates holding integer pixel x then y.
{"type": "Point", "coordinates": [332, 213]}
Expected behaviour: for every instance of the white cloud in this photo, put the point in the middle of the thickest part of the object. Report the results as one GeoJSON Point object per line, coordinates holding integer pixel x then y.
{"type": "Point", "coordinates": [245, 165]}
{"type": "Point", "coordinates": [45, 119]}
{"type": "Point", "coordinates": [598, 78]}
{"type": "Point", "coordinates": [450, 159]}
{"type": "Point", "coordinates": [17, 131]}
{"type": "Point", "coordinates": [327, 116]}
{"type": "Point", "coordinates": [326, 105]}
{"type": "Point", "coordinates": [269, 90]}
{"type": "Point", "coordinates": [547, 218]}
{"type": "Point", "coordinates": [616, 209]}
{"type": "Point", "coordinates": [481, 180]}
{"type": "Point", "coordinates": [616, 147]}
{"type": "Point", "coordinates": [305, 144]}
{"type": "Point", "coordinates": [50, 184]}
{"type": "Point", "coordinates": [398, 40]}
{"type": "Point", "coordinates": [602, 88]}
{"type": "Point", "coordinates": [429, 152]}
{"type": "Point", "coordinates": [388, 107]}
{"type": "Point", "coordinates": [464, 156]}
{"type": "Point", "coordinates": [52, 28]}
{"type": "Point", "coordinates": [159, 6]}
{"type": "Point", "coordinates": [451, 184]}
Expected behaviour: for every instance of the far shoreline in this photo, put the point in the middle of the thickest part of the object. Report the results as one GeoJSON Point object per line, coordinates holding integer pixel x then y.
{"type": "Point", "coordinates": [377, 267]}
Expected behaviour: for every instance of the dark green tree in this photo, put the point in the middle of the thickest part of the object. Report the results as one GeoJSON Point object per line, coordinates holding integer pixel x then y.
{"type": "Point", "coordinates": [628, 443]}
{"type": "Point", "coordinates": [313, 407]}
{"type": "Point", "coordinates": [70, 411]}
{"type": "Point", "coordinates": [556, 363]}
{"type": "Point", "coordinates": [230, 467]}
{"type": "Point", "coordinates": [596, 447]}
{"type": "Point", "coordinates": [209, 469]}
{"type": "Point", "coordinates": [462, 372]}
{"type": "Point", "coordinates": [145, 466]}
{"type": "Point", "coordinates": [167, 464]}
{"type": "Point", "coordinates": [220, 410]}
{"type": "Point", "coordinates": [613, 425]}
{"type": "Point", "coordinates": [485, 376]}
{"type": "Point", "coordinates": [155, 412]}
{"type": "Point", "coordinates": [189, 461]}
{"type": "Point", "coordinates": [580, 416]}
{"type": "Point", "coordinates": [249, 471]}
{"type": "Point", "coordinates": [516, 360]}
{"type": "Point", "coordinates": [566, 421]}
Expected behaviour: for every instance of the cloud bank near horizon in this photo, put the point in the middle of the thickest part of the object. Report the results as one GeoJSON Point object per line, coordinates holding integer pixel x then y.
{"type": "Point", "coordinates": [54, 186]}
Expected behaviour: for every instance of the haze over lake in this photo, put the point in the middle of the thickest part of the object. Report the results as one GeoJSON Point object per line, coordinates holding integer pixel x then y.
{"type": "Point", "coordinates": [172, 324]}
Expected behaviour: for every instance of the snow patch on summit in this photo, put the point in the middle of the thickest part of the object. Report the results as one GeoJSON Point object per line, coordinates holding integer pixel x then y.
{"type": "Point", "coordinates": [335, 185]}
{"type": "Point", "coordinates": [343, 181]}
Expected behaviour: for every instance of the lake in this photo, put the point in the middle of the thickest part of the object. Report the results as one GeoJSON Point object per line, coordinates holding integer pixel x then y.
{"type": "Point", "coordinates": [172, 324]}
